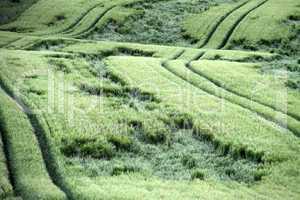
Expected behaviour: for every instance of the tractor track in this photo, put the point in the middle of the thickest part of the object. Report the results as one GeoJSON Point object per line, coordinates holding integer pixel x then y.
{"type": "Point", "coordinates": [93, 25]}
{"type": "Point", "coordinates": [235, 25]}
{"type": "Point", "coordinates": [10, 42]}
{"type": "Point", "coordinates": [178, 54]}
{"type": "Point", "coordinates": [198, 56]}
{"type": "Point", "coordinates": [72, 26]}
{"type": "Point", "coordinates": [216, 83]}
{"type": "Point", "coordinates": [43, 142]}
{"type": "Point", "coordinates": [215, 27]}
{"type": "Point", "coordinates": [7, 158]}
{"type": "Point", "coordinates": [265, 117]}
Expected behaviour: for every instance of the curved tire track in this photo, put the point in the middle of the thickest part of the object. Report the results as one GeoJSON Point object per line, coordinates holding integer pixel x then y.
{"type": "Point", "coordinates": [74, 24]}
{"type": "Point", "coordinates": [69, 29]}
{"type": "Point", "coordinates": [235, 25]}
{"type": "Point", "coordinates": [216, 83]}
{"type": "Point", "coordinates": [43, 142]}
{"type": "Point", "coordinates": [10, 42]}
{"type": "Point", "coordinates": [178, 54]}
{"type": "Point", "coordinates": [262, 115]}
{"type": "Point", "coordinates": [93, 25]}
{"type": "Point", "coordinates": [8, 166]}
{"type": "Point", "coordinates": [215, 27]}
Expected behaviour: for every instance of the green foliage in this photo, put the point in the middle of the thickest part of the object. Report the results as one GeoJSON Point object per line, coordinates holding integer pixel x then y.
{"type": "Point", "coordinates": [122, 169]}
{"type": "Point", "coordinates": [5, 185]}
{"type": "Point", "coordinates": [293, 84]}
{"type": "Point", "coordinates": [156, 22]}
{"type": "Point", "coordinates": [155, 132]}
{"type": "Point", "coordinates": [86, 146]}
{"type": "Point", "coordinates": [198, 174]}
{"type": "Point", "coordinates": [181, 120]}
{"type": "Point", "coordinates": [121, 142]}
{"type": "Point", "coordinates": [189, 161]}
{"type": "Point", "coordinates": [277, 29]}
{"type": "Point", "coordinates": [11, 9]}
{"type": "Point", "coordinates": [60, 65]}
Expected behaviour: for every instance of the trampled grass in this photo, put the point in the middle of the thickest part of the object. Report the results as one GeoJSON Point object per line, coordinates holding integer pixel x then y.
{"type": "Point", "coordinates": [116, 48]}
{"type": "Point", "coordinates": [153, 22]}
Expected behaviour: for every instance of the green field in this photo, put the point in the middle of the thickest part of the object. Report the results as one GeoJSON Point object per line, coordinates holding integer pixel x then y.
{"type": "Point", "coordinates": [149, 99]}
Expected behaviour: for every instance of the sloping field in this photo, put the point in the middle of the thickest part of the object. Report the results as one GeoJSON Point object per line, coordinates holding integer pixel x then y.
{"type": "Point", "coordinates": [244, 21]}
{"type": "Point", "coordinates": [160, 99]}
{"type": "Point", "coordinates": [236, 74]}
{"type": "Point", "coordinates": [264, 25]}
{"type": "Point", "coordinates": [203, 29]}
{"type": "Point", "coordinates": [10, 10]}
{"type": "Point", "coordinates": [5, 185]}
{"type": "Point", "coordinates": [27, 168]}
{"type": "Point", "coordinates": [39, 19]}
{"type": "Point", "coordinates": [242, 126]}
{"type": "Point", "coordinates": [222, 33]}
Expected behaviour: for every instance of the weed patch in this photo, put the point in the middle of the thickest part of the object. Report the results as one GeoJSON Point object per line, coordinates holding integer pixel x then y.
{"type": "Point", "coordinates": [156, 132]}
{"type": "Point", "coordinates": [159, 22]}
{"type": "Point", "coordinates": [184, 158]}
{"type": "Point", "coordinates": [293, 84]}
{"type": "Point", "coordinates": [121, 142]}
{"type": "Point", "coordinates": [86, 146]}
{"type": "Point", "coordinates": [60, 65]}
{"type": "Point", "coordinates": [123, 169]}
{"type": "Point", "coordinates": [198, 174]}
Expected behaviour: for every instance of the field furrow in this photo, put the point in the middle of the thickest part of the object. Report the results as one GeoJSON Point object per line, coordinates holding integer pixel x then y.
{"type": "Point", "coordinates": [11, 42]}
